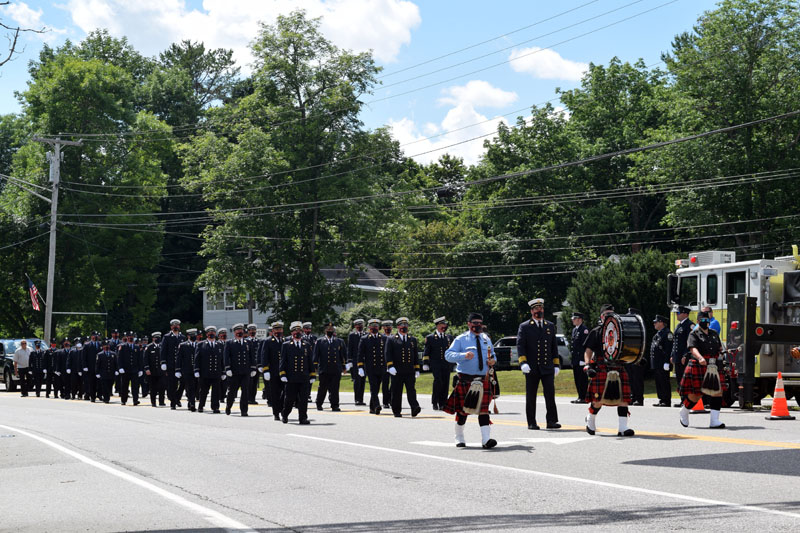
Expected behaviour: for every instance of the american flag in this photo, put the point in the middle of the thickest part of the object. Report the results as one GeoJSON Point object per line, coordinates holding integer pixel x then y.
{"type": "Point", "coordinates": [34, 295]}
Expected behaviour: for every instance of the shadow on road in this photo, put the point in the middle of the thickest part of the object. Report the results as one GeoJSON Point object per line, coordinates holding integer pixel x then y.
{"type": "Point", "coordinates": [781, 462]}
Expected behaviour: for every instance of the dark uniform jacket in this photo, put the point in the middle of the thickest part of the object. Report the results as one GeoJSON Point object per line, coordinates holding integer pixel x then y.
{"type": "Point", "coordinates": [127, 358]}
{"type": "Point", "coordinates": [353, 340]}
{"type": "Point", "coordinates": [708, 344]}
{"type": "Point", "coordinates": [50, 360]}
{"type": "Point", "coordinates": [296, 362]}
{"type": "Point", "coordinates": [89, 355]}
{"type": "Point", "coordinates": [680, 339]}
{"type": "Point", "coordinates": [537, 346]}
{"type": "Point", "coordinates": [310, 339]}
{"type": "Point", "coordinates": [370, 353]}
{"type": "Point", "coordinates": [169, 350]}
{"type": "Point", "coordinates": [185, 363]}
{"type": "Point", "coordinates": [37, 361]}
{"type": "Point", "coordinates": [208, 359]}
{"type": "Point", "coordinates": [106, 365]}
{"type": "Point", "coordinates": [435, 347]}
{"type": "Point", "coordinates": [255, 348]}
{"type": "Point", "coordinates": [401, 355]}
{"type": "Point", "coordinates": [238, 357]}
{"type": "Point", "coordinates": [660, 348]}
{"type": "Point", "coordinates": [329, 355]}
{"type": "Point", "coordinates": [74, 360]}
{"type": "Point", "coordinates": [579, 334]}
{"type": "Point", "coordinates": [152, 359]}
{"type": "Point", "coordinates": [60, 360]}
{"type": "Point", "coordinates": [269, 357]}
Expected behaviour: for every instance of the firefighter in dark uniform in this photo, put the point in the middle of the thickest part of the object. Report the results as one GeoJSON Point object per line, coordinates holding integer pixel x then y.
{"type": "Point", "coordinates": [152, 368]}
{"type": "Point", "coordinates": [106, 369]}
{"type": "Point", "coordinates": [329, 357]}
{"type": "Point", "coordinates": [184, 369]}
{"type": "Point", "coordinates": [239, 367]}
{"type": "Point", "coordinates": [353, 340]}
{"type": "Point", "coordinates": [636, 376]}
{"type": "Point", "coordinates": [401, 352]}
{"type": "Point", "coordinates": [436, 344]}
{"type": "Point", "coordinates": [296, 371]}
{"type": "Point", "coordinates": [386, 383]}
{"type": "Point", "coordinates": [144, 383]}
{"type": "Point", "coordinates": [680, 340]}
{"type": "Point", "coordinates": [60, 358]}
{"type": "Point", "coordinates": [270, 361]}
{"type": "Point", "coordinates": [660, 349]}
{"type": "Point", "coordinates": [129, 369]}
{"type": "Point", "coordinates": [208, 368]}
{"type": "Point", "coordinates": [578, 338]}
{"type": "Point", "coordinates": [536, 341]}
{"type": "Point", "coordinates": [49, 369]}
{"type": "Point", "coordinates": [370, 362]}
{"type": "Point", "coordinates": [255, 346]}
{"type": "Point", "coordinates": [113, 344]}
{"type": "Point", "coordinates": [89, 358]}
{"type": "Point", "coordinates": [222, 336]}
{"type": "Point", "coordinates": [37, 367]}
{"type": "Point", "coordinates": [169, 359]}
{"type": "Point", "coordinates": [74, 375]}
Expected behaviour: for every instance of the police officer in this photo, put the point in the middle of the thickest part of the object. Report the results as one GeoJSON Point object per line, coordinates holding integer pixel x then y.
{"type": "Point", "coordinates": [536, 340]}
{"type": "Point", "coordinates": [353, 340]}
{"type": "Point", "coordinates": [400, 353]}
{"type": "Point", "coordinates": [169, 358]}
{"type": "Point", "coordinates": [107, 370]}
{"type": "Point", "coordinates": [152, 368]}
{"type": "Point", "coordinates": [208, 368]}
{"type": "Point", "coordinates": [660, 349]}
{"type": "Point", "coordinates": [37, 366]}
{"type": "Point", "coordinates": [371, 364]}
{"type": "Point", "coordinates": [680, 339]}
{"type": "Point", "coordinates": [270, 360]}
{"type": "Point", "coordinates": [255, 346]}
{"type": "Point", "coordinates": [386, 383]}
{"type": "Point", "coordinates": [578, 338]}
{"type": "Point", "coordinates": [184, 369]}
{"type": "Point", "coordinates": [330, 357]}
{"type": "Point", "coordinates": [129, 369]}
{"type": "Point", "coordinates": [239, 367]}
{"type": "Point", "coordinates": [436, 344]}
{"type": "Point", "coordinates": [297, 373]}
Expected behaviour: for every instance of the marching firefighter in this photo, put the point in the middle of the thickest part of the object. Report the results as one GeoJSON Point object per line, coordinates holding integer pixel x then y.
{"type": "Point", "coordinates": [680, 339]}
{"type": "Point", "coordinates": [184, 368]}
{"type": "Point", "coordinates": [107, 370]}
{"type": "Point", "coordinates": [579, 334]}
{"type": "Point", "coordinates": [297, 373]}
{"type": "Point", "coordinates": [433, 359]}
{"type": "Point", "coordinates": [386, 383]}
{"type": "Point", "coordinates": [169, 360]}
{"type": "Point", "coordinates": [353, 340]}
{"type": "Point", "coordinates": [208, 369]}
{"type": "Point", "coordinates": [371, 364]}
{"type": "Point", "coordinates": [400, 354]}
{"type": "Point", "coordinates": [330, 357]}
{"type": "Point", "coordinates": [239, 367]}
{"type": "Point", "coordinates": [129, 370]}
{"type": "Point", "coordinates": [152, 368]}
{"type": "Point", "coordinates": [660, 348]}
{"type": "Point", "coordinates": [270, 360]}
{"type": "Point", "coordinates": [254, 344]}
{"type": "Point", "coordinates": [536, 339]}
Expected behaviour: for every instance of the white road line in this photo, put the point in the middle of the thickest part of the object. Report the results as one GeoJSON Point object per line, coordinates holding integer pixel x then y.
{"type": "Point", "coordinates": [605, 484]}
{"type": "Point", "coordinates": [215, 518]}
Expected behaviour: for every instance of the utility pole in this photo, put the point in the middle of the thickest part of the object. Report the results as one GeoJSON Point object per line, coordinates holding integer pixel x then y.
{"type": "Point", "coordinates": [54, 158]}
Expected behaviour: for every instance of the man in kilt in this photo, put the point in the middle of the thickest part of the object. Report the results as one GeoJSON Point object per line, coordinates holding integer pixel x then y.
{"type": "Point", "coordinates": [704, 347]}
{"type": "Point", "coordinates": [472, 353]}
{"type": "Point", "coordinates": [597, 368]}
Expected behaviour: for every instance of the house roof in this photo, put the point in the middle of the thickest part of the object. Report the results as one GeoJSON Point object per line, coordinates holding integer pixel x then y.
{"type": "Point", "coordinates": [365, 275]}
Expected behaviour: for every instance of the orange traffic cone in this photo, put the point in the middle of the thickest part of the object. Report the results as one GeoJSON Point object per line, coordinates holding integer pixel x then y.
{"type": "Point", "coordinates": [699, 408]}
{"type": "Point", "coordinates": [780, 411]}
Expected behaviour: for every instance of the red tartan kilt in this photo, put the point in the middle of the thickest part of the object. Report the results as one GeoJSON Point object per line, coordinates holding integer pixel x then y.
{"type": "Point", "coordinates": [692, 380]}
{"type": "Point", "coordinates": [455, 403]}
{"type": "Point", "coordinates": [597, 384]}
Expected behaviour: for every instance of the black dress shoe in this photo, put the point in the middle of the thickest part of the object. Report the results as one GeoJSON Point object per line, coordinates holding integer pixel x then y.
{"type": "Point", "coordinates": [192, 409]}
{"type": "Point", "coordinates": [285, 419]}
{"type": "Point", "coordinates": [676, 404]}
{"type": "Point", "coordinates": [377, 410]}
{"type": "Point", "coordinates": [661, 404]}
{"type": "Point", "coordinates": [435, 407]}
{"type": "Point", "coordinates": [721, 426]}
{"type": "Point", "coordinates": [227, 410]}
{"type": "Point", "coordinates": [162, 405]}
{"type": "Point", "coordinates": [533, 426]}
{"type": "Point", "coordinates": [319, 408]}
{"type": "Point", "coordinates": [398, 416]}
{"type": "Point", "coordinates": [387, 406]}
{"type": "Point", "coordinates": [554, 426]}
{"type": "Point", "coordinates": [305, 422]}
{"type": "Point", "coordinates": [637, 403]}
{"type": "Point", "coordinates": [215, 411]}
{"type": "Point", "coordinates": [461, 445]}
{"type": "Point", "coordinates": [199, 409]}
{"type": "Point", "coordinates": [491, 443]}
{"type": "Point", "coordinates": [136, 403]}
{"type": "Point", "coordinates": [245, 414]}
{"type": "Point", "coordinates": [179, 404]}
{"type": "Point", "coordinates": [578, 400]}
{"type": "Point", "coordinates": [335, 409]}
{"type": "Point", "coordinates": [278, 417]}
{"type": "Point", "coordinates": [415, 411]}
{"type": "Point", "coordinates": [627, 433]}
{"type": "Point", "coordinates": [590, 431]}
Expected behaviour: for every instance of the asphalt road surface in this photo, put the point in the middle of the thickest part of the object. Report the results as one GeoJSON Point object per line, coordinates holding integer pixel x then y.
{"type": "Point", "coordinates": [76, 466]}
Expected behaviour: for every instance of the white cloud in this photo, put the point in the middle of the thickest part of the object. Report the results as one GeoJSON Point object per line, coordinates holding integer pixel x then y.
{"type": "Point", "coordinates": [546, 64]}
{"type": "Point", "coordinates": [462, 116]}
{"type": "Point", "coordinates": [24, 17]}
{"type": "Point", "coordinates": [151, 25]}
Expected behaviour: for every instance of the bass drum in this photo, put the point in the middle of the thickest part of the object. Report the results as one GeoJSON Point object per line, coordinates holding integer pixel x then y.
{"type": "Point", "coordinates": [623, 338]}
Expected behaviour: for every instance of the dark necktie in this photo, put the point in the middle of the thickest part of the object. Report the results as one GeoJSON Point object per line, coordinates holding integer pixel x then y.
{"type": "Point", "coordinates": [480, 352]}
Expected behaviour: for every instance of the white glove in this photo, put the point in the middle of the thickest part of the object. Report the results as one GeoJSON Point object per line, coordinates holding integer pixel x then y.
{"type": "Point", "coordinates": [98, 376]}
{"type": "Point", "coordinates": [178, 375]}
{"type": "Point", "coordinates": [557, 370]}
{"type": "Point", "coordinates": [45, 371]}
{"type": "Point", "coordinates": [266, 376]}
{"type": "Point", "coordinates": [121, 370]}
{"type": "Point", "coordinates": [116, 373]}
{"type": "Point", "coordinates": [252, 373]}
{"type": "Point", "coordinates": [69, 371]}
{"type": "Point", "coordinates": [80, 373]}
{"type": "Point", "coordinates": [229, 373]}
{"type": "Point", "coordinates": [425, 368]}
{"type": "Point", "coordinates": [85, 369]}
{"type": "Point", "coordinates": [666, 367]}
{"type": "Point", "coordinates": [416, 374]}
{"type": "Point", "coordinates": [312, 380]}
{"type": "Point", "coordinates": [164, 367]}
{"type": "Point", "coordinates": [260, 370]}
{"type": "Point", "coordinates": [197, 374]}
{"type": "Point", "coordinates": [581, 363]}
{"type": "Point", "coordinates": [285, 379]}
{"type": "Point", "coordinates": [525, 368]}
{"type": "Point", "coordinates": [348, 366]}
{"type": "Point", "coordinates": [361, 372]}
{"type": "Point", "coordinates": [392, 370]}
{"type": "Point", "coordinates": [58, 373]}
{"type": "Point", "coordinates": [224, 377]}
{"type": "Point", "coordinates": [141, 373]}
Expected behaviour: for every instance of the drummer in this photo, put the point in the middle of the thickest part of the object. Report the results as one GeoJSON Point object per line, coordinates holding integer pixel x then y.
{"type": "Point", "coordinates": [597, 368]}
{"type": "Point", "coordinates": [704, 348]}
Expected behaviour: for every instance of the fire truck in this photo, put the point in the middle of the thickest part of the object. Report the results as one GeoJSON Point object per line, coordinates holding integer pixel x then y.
{"type": "Point", "coordinates": [757, 303]}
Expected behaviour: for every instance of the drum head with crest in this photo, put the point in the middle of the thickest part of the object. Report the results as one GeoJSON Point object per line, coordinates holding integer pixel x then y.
{"type": "Point", "coordinates": [623, 338]}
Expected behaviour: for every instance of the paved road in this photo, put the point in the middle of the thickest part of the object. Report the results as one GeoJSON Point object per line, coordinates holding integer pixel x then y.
{"type": "Point", "coordinates": [71, 465]}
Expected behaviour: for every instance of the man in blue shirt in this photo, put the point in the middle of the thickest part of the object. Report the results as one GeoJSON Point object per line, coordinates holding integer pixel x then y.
{"type": "Point", "coordinates": [472, 353]}
{"type": "Point", "coordinates": [714, 324]}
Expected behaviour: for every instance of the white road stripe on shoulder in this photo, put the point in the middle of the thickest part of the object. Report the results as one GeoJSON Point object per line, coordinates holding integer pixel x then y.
{"type": "Point", "coordinates": [641, 490]}
{"type": "Point", "coordinates": [215, 518]}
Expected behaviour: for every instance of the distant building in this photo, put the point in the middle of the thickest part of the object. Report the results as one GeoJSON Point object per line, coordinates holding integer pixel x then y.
{"type": "Point", "coordinates": [223, 310]}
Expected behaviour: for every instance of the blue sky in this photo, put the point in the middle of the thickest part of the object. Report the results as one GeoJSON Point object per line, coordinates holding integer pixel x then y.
{"type": "Point", "coordinates": [402, 34]}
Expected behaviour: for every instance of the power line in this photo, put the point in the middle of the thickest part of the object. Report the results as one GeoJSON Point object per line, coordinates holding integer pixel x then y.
{"type": "Point", "coordinates": [24, 241]}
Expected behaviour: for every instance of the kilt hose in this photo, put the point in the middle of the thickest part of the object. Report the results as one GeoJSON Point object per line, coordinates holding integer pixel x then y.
{"type": "Point", "coordinates": [597, 384]}
{"type": "Point", "coordinates": [455, 403]}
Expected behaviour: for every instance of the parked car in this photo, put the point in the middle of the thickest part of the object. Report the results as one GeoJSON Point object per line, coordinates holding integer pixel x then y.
{"type": "Point", "coordinates": [7, 349]}
{"type": "Point", "coordinates": [563, 351]}
{"type": "Point", "coordinates": [505, 350]}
